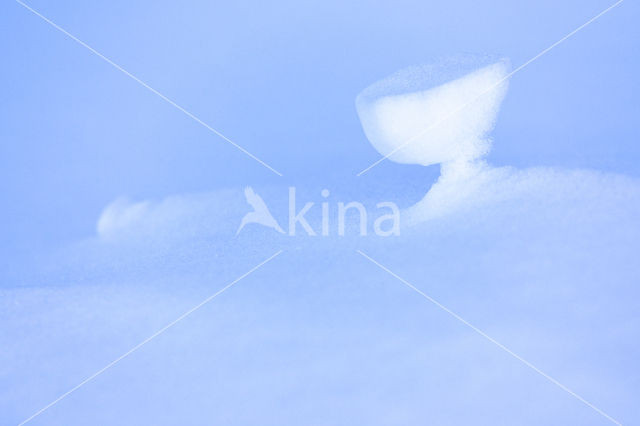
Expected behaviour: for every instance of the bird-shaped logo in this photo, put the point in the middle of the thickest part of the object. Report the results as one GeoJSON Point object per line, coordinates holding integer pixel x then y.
{"type": "Point", "coordinates": [260, 213]}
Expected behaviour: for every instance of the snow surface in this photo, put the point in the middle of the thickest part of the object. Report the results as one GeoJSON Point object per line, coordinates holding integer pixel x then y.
{"type": "Point", "coordinates": [543, 260]}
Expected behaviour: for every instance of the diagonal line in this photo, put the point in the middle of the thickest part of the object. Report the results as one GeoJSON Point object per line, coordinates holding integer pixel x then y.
{"type": "Point", "coordinates": [491, 339]}
{"type": "Point", "coordinates": [147, 340]}
{"type": "Point", "coordinates": [456, 111]}
{"type": "Point", "coordinates": [145, 85]}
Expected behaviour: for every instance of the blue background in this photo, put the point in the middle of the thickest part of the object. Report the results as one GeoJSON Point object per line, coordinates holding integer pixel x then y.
{"type": "Point", "coordinates": [280, 79]}
{"type": "Point", "coordinates": [323, 337]}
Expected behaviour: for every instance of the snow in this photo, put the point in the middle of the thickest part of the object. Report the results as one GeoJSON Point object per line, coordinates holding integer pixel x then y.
{"type": "Point", "coordinates": [434, 124]}
{"type": "Point", "coordinates": [543, 260]}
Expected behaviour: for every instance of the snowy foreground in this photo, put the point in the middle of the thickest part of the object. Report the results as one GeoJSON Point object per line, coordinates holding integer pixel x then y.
{"type": "Point", "coordinates": [508, 297]}
{"type": "Point", "coordinates": [321, 335]}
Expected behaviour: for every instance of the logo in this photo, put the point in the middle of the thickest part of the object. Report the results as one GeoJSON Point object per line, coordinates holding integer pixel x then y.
{"type": "Point", "coordinates": [386, 223]}
{"type": "Point", "coordinates": [260, 214]}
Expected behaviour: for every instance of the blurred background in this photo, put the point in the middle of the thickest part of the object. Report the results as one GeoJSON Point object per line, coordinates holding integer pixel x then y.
{"type": "Point", "coordinates": [280, 79]}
